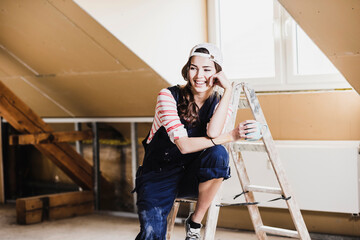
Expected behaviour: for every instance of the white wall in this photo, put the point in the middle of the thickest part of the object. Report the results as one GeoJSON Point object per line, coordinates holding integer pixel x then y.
{"type": "Point", "coordinates": [161, 32]}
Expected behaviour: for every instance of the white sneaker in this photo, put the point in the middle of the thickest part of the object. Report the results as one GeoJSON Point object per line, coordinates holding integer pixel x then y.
{"type": "Point", "coordinates": [191, 233]}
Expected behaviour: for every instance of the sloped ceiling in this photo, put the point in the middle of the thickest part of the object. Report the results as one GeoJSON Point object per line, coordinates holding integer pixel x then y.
{"type": "Point", "coordinates": [63, 63]}
{"type": "Point", "coordinates": [334, 26]}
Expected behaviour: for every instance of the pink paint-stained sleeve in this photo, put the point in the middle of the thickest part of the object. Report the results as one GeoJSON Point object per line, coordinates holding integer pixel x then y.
{"type": "Point", "coordinates": [166, 115]}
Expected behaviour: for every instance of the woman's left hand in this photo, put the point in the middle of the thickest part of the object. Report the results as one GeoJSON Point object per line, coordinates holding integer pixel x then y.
{"type": "Point", "coordinates": [221, 80]}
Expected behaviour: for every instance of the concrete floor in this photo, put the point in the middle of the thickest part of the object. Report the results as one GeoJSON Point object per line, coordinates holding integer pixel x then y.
{"type": "Point", "coordinates": [89, 227]}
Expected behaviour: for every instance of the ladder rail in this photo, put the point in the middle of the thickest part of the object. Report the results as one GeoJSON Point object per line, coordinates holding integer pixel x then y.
{"type": "Point", "coordinates": [249, 197]}
{"type": "Point", "coordinates": [276, 163]}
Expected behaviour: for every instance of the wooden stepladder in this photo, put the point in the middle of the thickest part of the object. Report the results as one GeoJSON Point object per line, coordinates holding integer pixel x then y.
{"type": "Point", "coordinates": [268, 146]}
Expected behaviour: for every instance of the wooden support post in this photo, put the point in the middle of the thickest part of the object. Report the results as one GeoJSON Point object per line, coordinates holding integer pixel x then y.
{"type": "Point", "coordinates": [78, 143]}
{"type": "Point", "coordinates": [53, 206]}
{"type": "Point", "coordinates": [134, 159]}
{"type": "Point", "coordinates": [96, 165]}
{"type": "Point", "coordinates": [51, 137]}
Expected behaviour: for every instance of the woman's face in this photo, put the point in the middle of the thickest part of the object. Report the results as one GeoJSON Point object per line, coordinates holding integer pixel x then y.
{"type": "Point", "coordinates": [200, 71]}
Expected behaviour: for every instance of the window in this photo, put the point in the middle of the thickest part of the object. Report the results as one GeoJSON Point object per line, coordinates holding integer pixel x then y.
{"type": "Point", "coordinates": [263, 45]}
{"type": "Point", "coordinates": [248, 53]}
{"type": "Point", "coordinates": [308, 57]}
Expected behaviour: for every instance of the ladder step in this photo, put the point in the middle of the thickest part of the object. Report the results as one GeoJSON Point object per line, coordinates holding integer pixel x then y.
{"type": "Point", "coordinates": [243, 103]}
{"type": "Point", "coordinates": [280, 231]}
{"type": "Point", "coordinates": [254, 188]}
{"type": "Point", "coordinates": [249, 146]}
{"type": "Point", "coordinates": [186, 200]}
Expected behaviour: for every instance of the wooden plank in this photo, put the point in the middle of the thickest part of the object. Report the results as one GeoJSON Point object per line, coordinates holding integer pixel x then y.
{"type": "Point", "coordinates": [71, 198]}
{"type": "Point", "coordinates": [77, 171]}
{"type": "Point", "coordinates": [70, 211]}
{"type": "Point", "coordinates": [53, 206]}
{"type": "Point", "coordinates": [29, 211]}
{"type": "Point", "coordinates": [276, 163]}
{"type": "Point", "coordinates": [24, 120]}
{"type": "Point", "coordinates": [2, 185]}
{"type": "Point", "coordinates": [171, 219]}
{"type": "Point", "coordinates": [51, 137]}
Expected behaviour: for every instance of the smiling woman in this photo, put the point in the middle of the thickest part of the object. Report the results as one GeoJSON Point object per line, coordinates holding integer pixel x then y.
{"type": "Point", "coordinates": [197, 72]}
{"type": "Point", "coordinates": [183, 152]}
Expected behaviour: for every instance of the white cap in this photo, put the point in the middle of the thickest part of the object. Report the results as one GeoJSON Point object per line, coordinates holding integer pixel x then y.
{"type": "Point", "coordinates": [214, 52]}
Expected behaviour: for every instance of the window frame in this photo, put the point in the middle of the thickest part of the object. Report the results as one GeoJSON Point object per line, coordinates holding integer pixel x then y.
{"type": "Point", "coordinates": [285, 77]}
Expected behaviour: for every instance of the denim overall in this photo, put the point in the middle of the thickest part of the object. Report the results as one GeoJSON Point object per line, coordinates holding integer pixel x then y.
{"type": "Point", "coordinates": [167, 174]}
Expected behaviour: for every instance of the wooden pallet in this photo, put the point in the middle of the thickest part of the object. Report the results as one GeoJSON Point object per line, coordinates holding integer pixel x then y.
{"type": "Point", "coordinates": [53, 206]}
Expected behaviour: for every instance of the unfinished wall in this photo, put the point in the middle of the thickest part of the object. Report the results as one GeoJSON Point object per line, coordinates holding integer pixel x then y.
{"type": "Point", "coordinates": [310, 116]}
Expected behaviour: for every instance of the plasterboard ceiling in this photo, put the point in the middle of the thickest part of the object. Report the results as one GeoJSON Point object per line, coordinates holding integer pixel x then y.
{"type": "Point", "coordinates": [62, 63]}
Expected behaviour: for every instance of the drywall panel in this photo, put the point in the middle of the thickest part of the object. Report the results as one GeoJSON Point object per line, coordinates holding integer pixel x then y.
{"type": "Point", "coordinates": [313, 168]}
{"type": "Point", "coordinates": [160, 32]}
{"type": "Point", "coordinates": [350, 67]}
{"type": "Point", "coordinates": [37, 100]}
{"type": "Point", "coordinates": [334, 26]}
{"type": "Point", "coordinates": [99, 34]}
{"type": "Point", "coordinates": [49, 42]}
{"type": "Point", "coordinates": [63, 63]}
{"type": "Point", "coordinates": [11, 67]}
{"type": "Point", "coordinates": [103, 95]}
{"type": "Point", "coordinates": [311, 116]}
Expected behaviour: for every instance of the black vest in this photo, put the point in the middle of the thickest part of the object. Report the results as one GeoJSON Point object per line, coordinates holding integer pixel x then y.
{"type": "Point", "coordinates": [161, 153]}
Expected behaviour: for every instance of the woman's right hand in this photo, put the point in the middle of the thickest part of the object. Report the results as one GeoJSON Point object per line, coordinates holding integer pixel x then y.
{"type": "Point", "coordinates": [221, 80]}
{"type": "Point", "coordinates": [241, 130]}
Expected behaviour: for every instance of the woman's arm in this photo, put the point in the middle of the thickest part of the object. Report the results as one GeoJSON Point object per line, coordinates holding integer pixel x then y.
{"type": "Point", "coordinates": [217, 122]}
{"type": "Point", "coordinates": [195, 144]}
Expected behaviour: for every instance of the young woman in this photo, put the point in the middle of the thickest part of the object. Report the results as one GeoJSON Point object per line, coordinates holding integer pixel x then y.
{"type": "Point", "coordinates": [183, 152]}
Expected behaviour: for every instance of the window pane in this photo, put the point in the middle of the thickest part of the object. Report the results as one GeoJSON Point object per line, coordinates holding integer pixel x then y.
{"type": "Point", "coordinates": [247, 40]}
{"type": "Point", "coordinates": [309, 58]}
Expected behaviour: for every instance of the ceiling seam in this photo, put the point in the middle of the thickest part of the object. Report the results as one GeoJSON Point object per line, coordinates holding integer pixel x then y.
{"type": "Point", "coordinates": [48, 97]}
{"type": "Point", "coordinates": [19, 60]}
{"type": "Point", "coordinates": [68, 74]}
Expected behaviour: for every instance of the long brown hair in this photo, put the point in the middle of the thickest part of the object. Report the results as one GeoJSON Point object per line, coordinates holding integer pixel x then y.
{"type": "Point", "coordinates": [188, 109]}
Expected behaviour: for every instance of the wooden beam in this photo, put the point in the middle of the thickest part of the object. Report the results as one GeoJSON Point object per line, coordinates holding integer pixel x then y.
{"type": "Point", "coordinates": [50, 137]}
{"type": "Point", "coordinates": [53, 206]}
{"type": "Point", "coordinates": [2, 185]}
{"type": "Point", "coordinates": [24, 120]}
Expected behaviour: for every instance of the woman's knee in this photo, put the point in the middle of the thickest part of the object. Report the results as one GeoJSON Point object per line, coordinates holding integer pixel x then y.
{"type": "Point", "coordinates": [216, 156]}
{"type": "Point", "coordinates": [153, 224]}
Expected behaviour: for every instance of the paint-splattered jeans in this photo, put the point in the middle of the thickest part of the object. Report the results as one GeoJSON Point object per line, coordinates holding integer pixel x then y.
{"type": "Point", "coordinates": [157, 190]}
